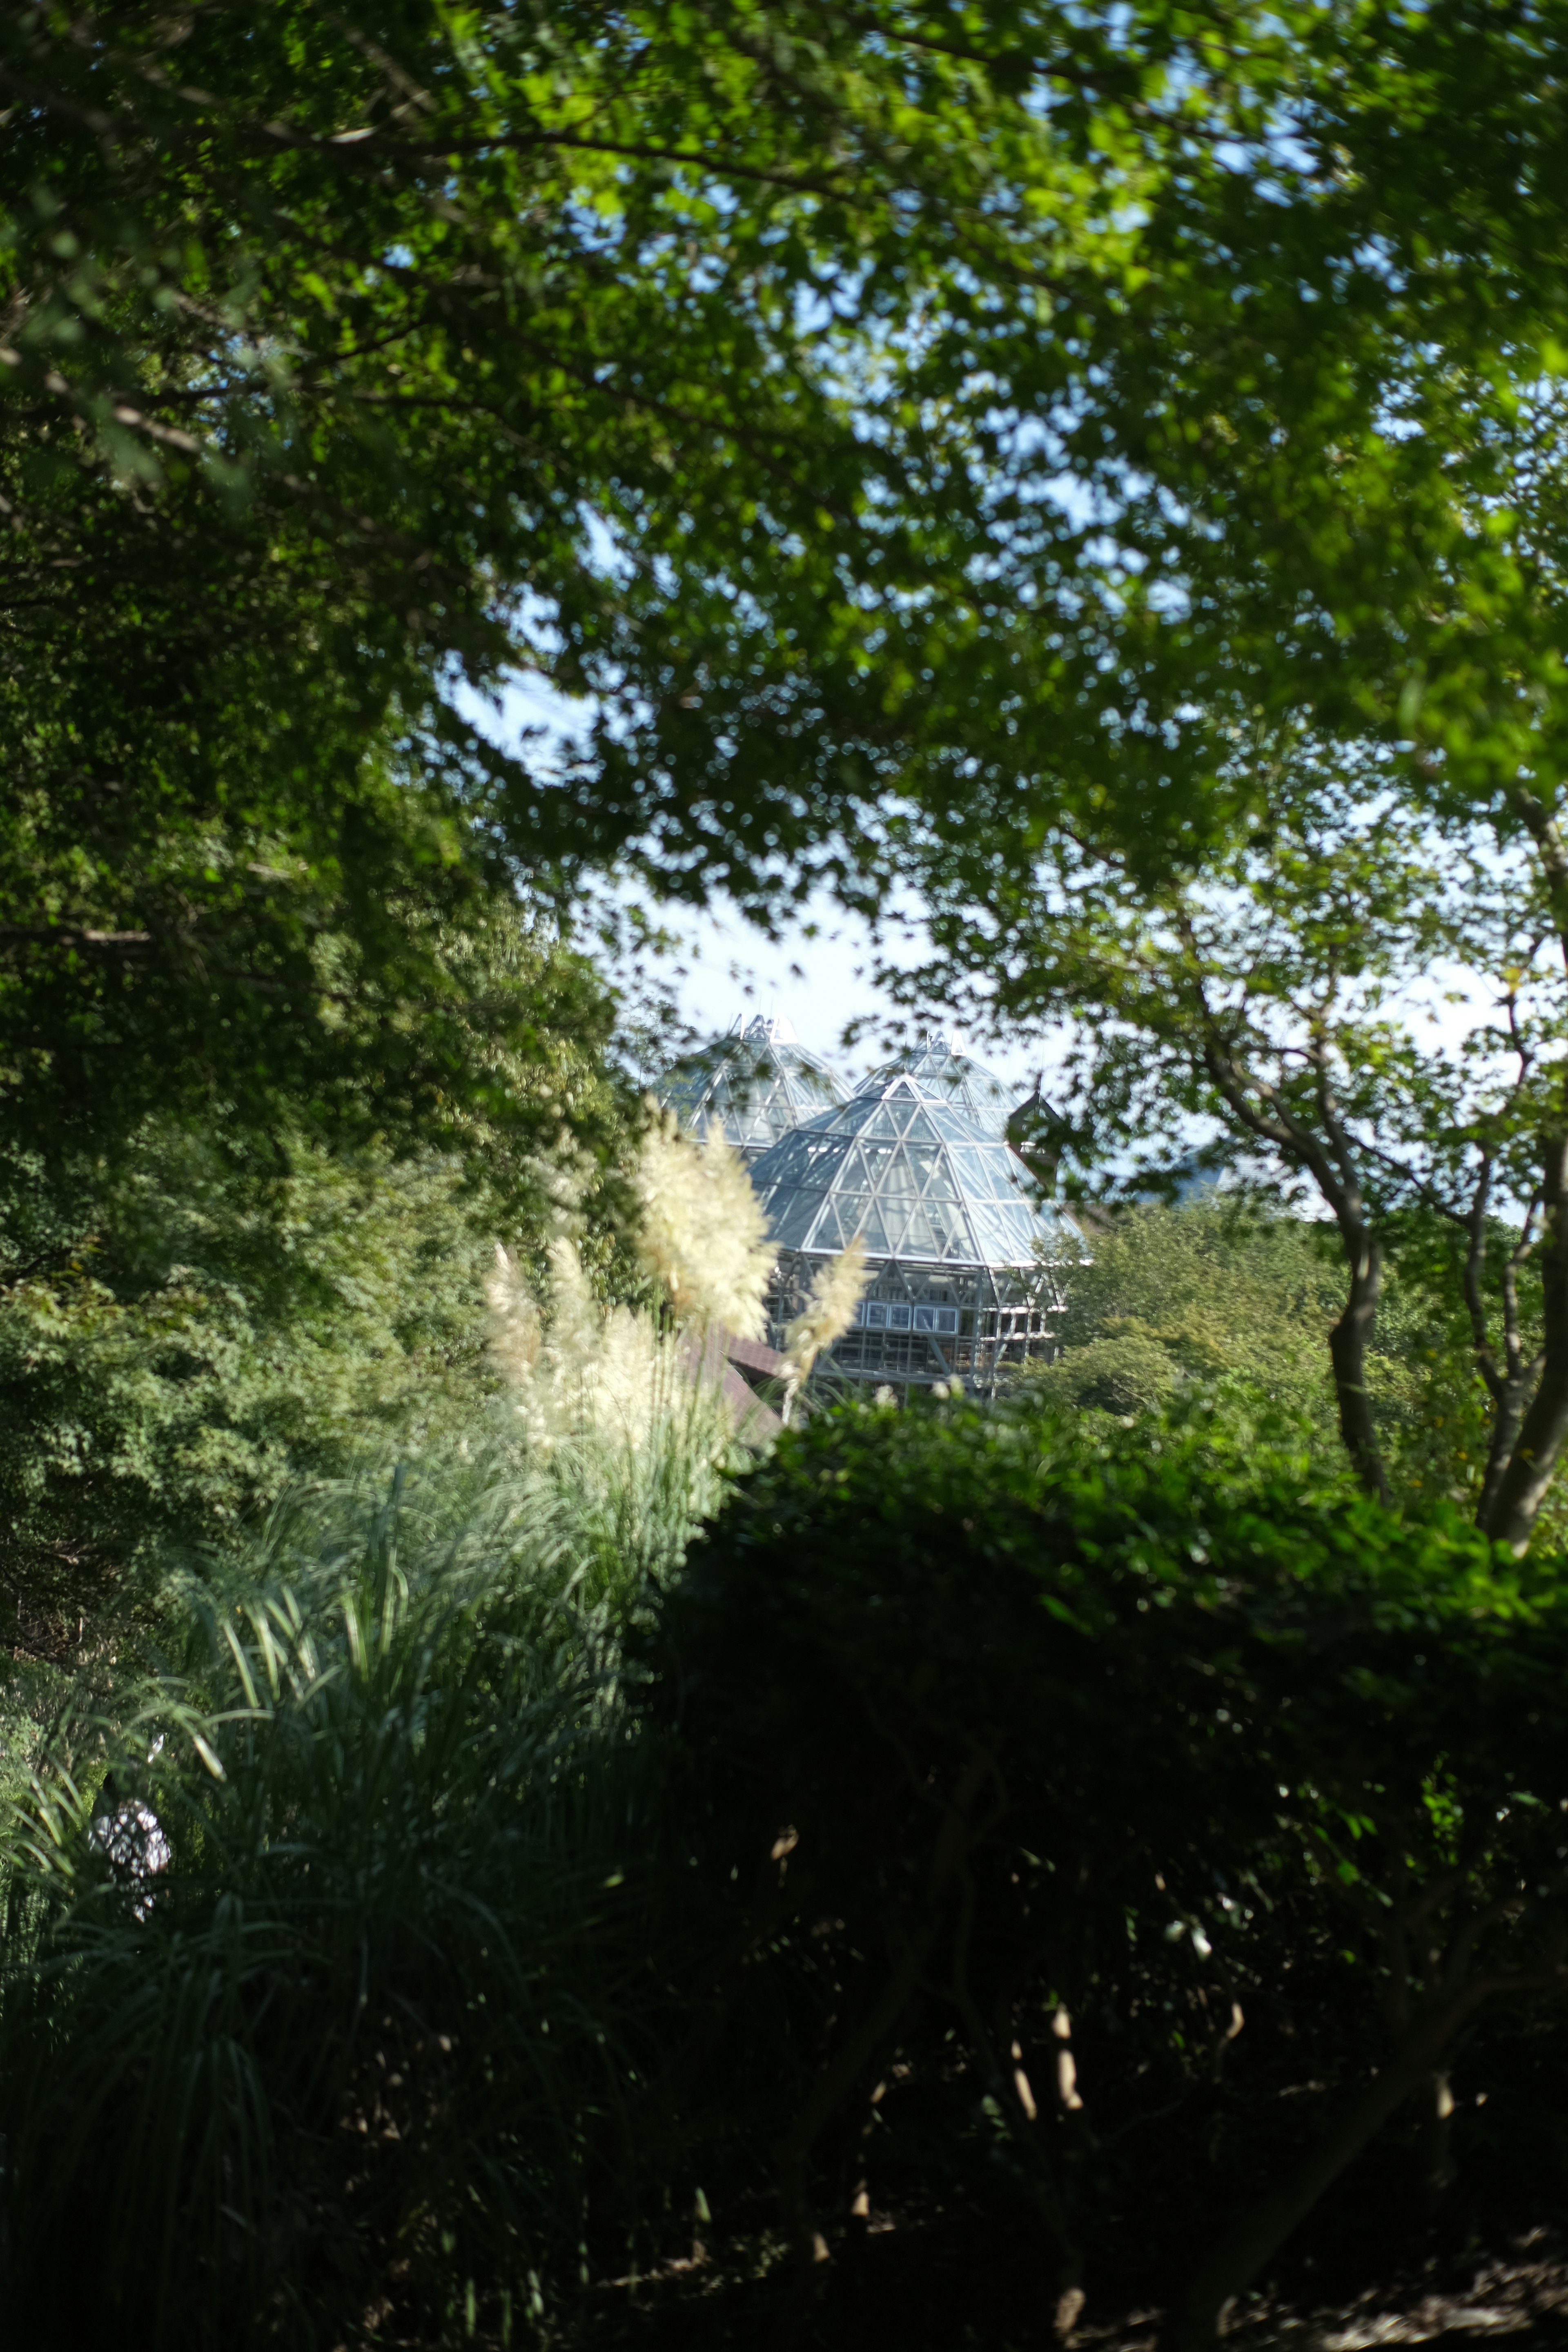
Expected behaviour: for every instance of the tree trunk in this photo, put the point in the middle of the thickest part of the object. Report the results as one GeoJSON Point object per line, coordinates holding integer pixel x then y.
{"type": "Point", "coordinates": [1508, 1413]}
{"type": "Point", "coordinates": [833, 2085]}
{"type": "Point", "coordinates": [1240, 2251]}
{"type": "Point", "coordinates": [1434, 2150]}
{"type": "Point", "coordinates": [791, 2154]}
{"type": "Point", "coordinates": [1525, 1483]}
{"type": "Point", "coordinates": [1348, 1343]}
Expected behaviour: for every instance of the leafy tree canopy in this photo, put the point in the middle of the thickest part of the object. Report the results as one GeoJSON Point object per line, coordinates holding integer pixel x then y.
{"type": "Point", "coordinates": [1361, 1001]}
{"type": "Point", "coordinates": [1319, 563]}
{"type": "Point", "coordinates": [1222, 1293]}
{"type": "Point", "coordinates": [187, 1322]}
{"type": "Point", "coordinates": [343, 362]}
{"type": "Point", "coordinates": [1168, 1297]}
{"type": "Point", "coordinates": [722, 369]}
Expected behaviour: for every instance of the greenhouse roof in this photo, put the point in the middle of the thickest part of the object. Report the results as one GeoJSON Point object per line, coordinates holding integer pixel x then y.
{"type": "Point", "coordinates": [753, 1085]}
{"type": "Point", "coordinates": [910, 1173]}
{"type": "Point", "coordinates": [941, 1071]}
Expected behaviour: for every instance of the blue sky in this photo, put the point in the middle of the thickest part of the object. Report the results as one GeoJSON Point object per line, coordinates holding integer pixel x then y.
{"type": "Point", "coordinates": [725, 967]}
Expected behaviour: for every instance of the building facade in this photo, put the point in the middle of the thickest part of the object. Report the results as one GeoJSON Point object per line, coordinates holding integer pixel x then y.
{"type": "Point", "coordinates": [753, 1085]}
{"type": "Point", "coordinates": [962, 1261]}
{"type": "Point", "coordinates": [950, 1076]}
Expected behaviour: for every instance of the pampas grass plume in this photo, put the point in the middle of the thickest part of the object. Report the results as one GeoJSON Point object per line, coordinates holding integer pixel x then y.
{"type": "Point", "coordinates": [704, 1236]}
{"type": "Point", "coordinates": [517, 1328]}
{"type": "Point", "coordinates": [836, 1291]}
{"type": "Point", "coordinates": [590, 1370]}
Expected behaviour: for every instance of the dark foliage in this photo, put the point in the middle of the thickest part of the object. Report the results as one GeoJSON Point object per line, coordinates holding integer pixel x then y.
{"type": "Point", "coordinates": [317, 2005]}
{"type": "Point", "coordinates": [1168, 1760]}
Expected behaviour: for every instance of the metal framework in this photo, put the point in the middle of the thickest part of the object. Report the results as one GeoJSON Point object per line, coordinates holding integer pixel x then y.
{"type": "Point", "coordinates": [754, 1084]}
{"type": "Point", "coordinates": [962, 1261]}
{"type": "Point", "coordinates": [938, 1067]}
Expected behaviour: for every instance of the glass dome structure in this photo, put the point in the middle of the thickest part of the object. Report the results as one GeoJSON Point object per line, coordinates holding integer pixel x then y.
{"type": "Point", "coordinates": [936, 1065]}
{"type": "Point", "coordinates": [755, 1085]}
{"type": "Point", "coordinates": [961, 1258]}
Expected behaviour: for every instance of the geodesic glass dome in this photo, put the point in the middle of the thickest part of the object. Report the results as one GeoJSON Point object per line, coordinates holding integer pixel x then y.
{"type": "Point", "coordinates": [911, 1174]}
{"type": "Point", "coordinates": [939, 1069]}
{"type": "Point", "coordinates": [961, 1257]}
{"type": "Point", "coordinates": [754, 1084]}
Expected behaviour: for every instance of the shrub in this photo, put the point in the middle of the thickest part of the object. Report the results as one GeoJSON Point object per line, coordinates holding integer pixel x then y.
{"type": "Point", "coordinates": [1005, 1736]}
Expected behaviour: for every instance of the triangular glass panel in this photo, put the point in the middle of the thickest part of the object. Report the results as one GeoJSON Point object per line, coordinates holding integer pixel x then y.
{"type": "Point", "coordinates": [896, 1180]}
{"type": "Point", "coordinates": [849, 1212]}
{"type": "Point", "coordinates": [873, 1230]}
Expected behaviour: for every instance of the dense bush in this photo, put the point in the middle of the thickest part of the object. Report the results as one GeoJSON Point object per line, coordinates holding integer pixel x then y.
{"type": "Point", "coordinates": [179, 1340]}
{"type": "Point", "coordinates": [1006, 1745]}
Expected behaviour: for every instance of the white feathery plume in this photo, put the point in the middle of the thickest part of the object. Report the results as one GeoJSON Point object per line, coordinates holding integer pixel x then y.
{"type": "Point", "coordinates": [607, 1364]}
{"type": "Point", "coordinates": [703, 1233]}
{"type": "Point", "coordinates": [517, 1330]}
{"type": "Point", "coordinates": [591, 1370]}
{"type": "Point", "coordinates": [836, 1291]}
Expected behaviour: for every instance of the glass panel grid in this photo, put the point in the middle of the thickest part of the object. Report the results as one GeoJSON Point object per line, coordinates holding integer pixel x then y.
{"type": "Point", "coordinates": [915, 1164]}
{"type": "Point", "coordinates": [755, 1086]}
{"type": "Point", "coordinates": [948, 1077]}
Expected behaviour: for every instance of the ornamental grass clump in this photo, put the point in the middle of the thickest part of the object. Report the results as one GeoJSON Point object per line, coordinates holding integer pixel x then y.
{"type": "Point", "coordinates": [622, 1408]}
{"type": "Point", "coordinates": [339, 1948]}
{"type": "Point", "coordinates": [355, 2044]}
{"type": "Point", "coordinates": [604, 1418]}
